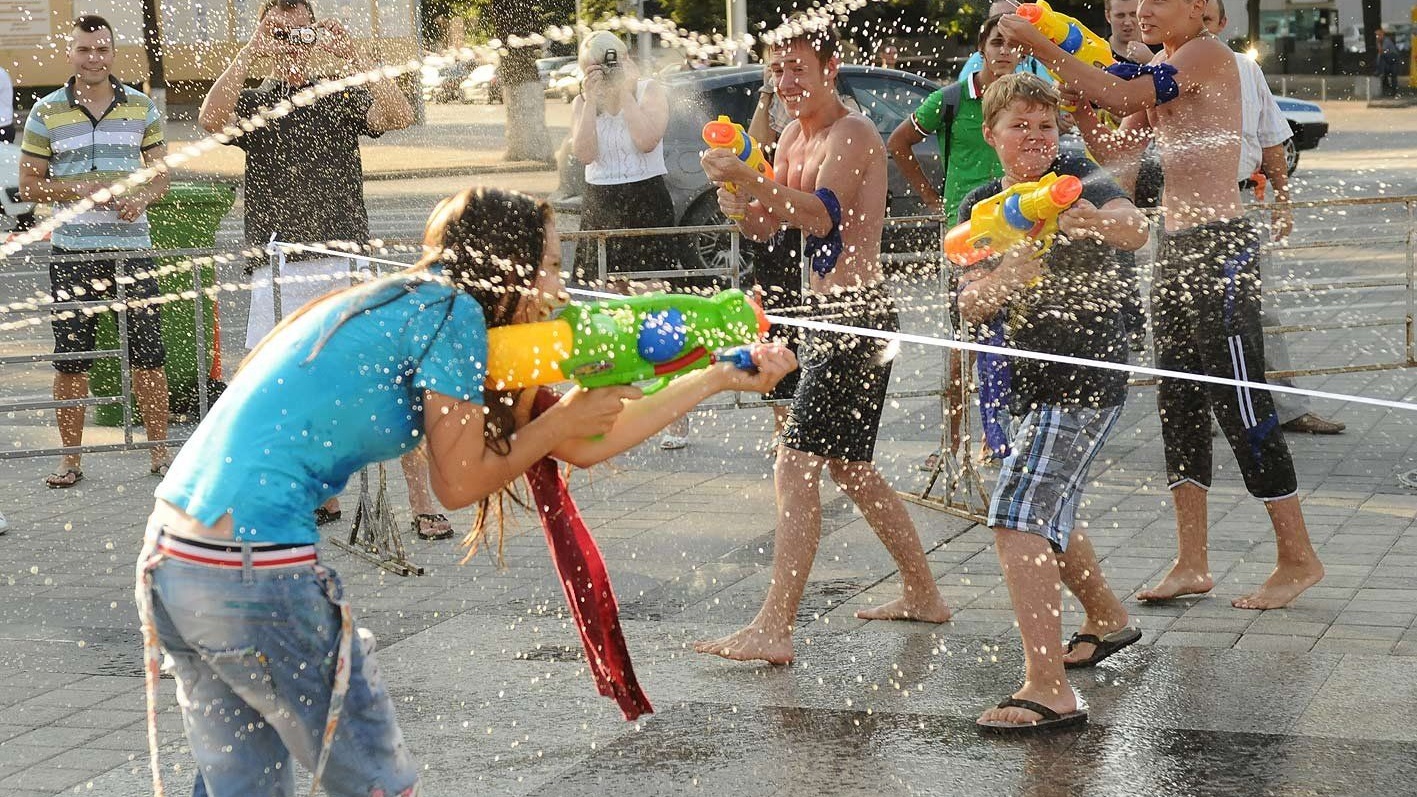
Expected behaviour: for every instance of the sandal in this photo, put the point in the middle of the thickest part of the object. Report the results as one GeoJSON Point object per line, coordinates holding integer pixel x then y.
{"type": "Point", "coordinates": [160, 470]}
{"type": "Point", "coordinates": [1051, 720]}
{"type": "Point", "coordinates": [1102, 646]}
{"type": "Point", "coordinates": [433, 520]}
{"type": "Point", "coordinates": [64, 478]}
{"type": "Point", "coordinates": [323, 516]}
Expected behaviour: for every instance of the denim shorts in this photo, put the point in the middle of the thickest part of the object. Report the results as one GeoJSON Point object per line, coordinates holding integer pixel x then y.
{"type": "Point", "coordinates": [254, 653]}
{"type": "Point", "coordinates": [1041, 481]}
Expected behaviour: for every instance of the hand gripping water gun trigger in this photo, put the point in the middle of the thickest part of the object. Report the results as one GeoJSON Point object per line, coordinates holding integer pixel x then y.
{"type": "Point", "coordinates": [1071, 36]}
{"type": "Point", "coordinates": [724, 133]}
{"type": "Point", "coordinates": [654, 336]}
{"type": "Point", "coordinates": [1023, 211]}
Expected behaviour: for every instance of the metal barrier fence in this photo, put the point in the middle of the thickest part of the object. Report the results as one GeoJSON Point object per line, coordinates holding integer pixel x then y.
{"type": "Point", "coordinates": [193, 263]}
{"type": "Point", "coordinates": [932, 265]}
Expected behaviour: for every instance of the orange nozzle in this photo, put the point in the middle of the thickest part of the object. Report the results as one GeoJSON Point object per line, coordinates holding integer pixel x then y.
{"type": "Point", "coordinates": [1030, 11]}
{"type": "Point", "coordinates": [1066, 191]}
{"type": "Point", "coordinates": [959, 250]}
{"type": "Point", "coordinates": [763, 324]}
{"type": "Point", "coordinates": [719, 134]}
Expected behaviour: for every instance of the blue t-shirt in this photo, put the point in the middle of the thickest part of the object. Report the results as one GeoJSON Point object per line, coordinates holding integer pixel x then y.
{"type": "Point", "coordinates": [292, 428]}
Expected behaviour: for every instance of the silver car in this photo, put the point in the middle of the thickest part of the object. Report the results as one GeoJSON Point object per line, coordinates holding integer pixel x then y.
{"type": "Point", "coordinates": [886, 96]}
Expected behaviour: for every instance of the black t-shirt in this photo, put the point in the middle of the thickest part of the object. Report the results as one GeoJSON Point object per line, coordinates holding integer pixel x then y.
{"type": "Point", "coordinates": [1074, 311]}
{"type": "Point", "coordinates": [304, 176]}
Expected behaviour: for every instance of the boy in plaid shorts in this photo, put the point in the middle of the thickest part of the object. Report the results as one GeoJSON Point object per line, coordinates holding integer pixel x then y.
{"type": "Point", "coordinates": [1067, 301]}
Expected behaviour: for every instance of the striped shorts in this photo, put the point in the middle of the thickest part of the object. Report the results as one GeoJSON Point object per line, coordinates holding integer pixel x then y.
{"type": "Point", "coordinates": [1041, 482]}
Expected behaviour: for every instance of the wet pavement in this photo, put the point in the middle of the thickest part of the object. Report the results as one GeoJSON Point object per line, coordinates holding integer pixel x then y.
{"type": "Point", "coordinates": [494, 698]}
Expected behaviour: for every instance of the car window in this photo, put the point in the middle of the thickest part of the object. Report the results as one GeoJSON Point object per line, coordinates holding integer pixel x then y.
{"type": "Point", "coordinates": [886, 100]}
{"type": "Point", "coordinates": [735, 102]}
{"type": "Point", "coordinates": [689, 108]}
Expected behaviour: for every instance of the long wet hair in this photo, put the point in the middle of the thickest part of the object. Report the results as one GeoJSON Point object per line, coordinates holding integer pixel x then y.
{"type": "Point", "coordinates": [489, 244]}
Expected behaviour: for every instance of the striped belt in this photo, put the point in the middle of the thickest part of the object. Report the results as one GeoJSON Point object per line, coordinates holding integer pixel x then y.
{"type": "Point", "coordinates": [219, 555]}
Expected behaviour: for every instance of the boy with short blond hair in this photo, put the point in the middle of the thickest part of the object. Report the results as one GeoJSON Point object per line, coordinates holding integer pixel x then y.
{"type": "Point", "coordinates": [1066, 301]}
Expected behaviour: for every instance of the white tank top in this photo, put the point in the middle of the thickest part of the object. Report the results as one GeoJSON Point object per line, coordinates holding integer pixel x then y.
{"type": "Point", "coordinates": [620, 161]}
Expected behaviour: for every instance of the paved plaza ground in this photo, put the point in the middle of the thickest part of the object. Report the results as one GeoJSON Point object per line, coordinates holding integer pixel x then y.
{"type": "Point", "coordinates": [494, 697]}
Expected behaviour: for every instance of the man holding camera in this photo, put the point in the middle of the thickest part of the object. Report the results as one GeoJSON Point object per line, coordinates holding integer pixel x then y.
{"type": "Point", "coordinates": [304, 175]}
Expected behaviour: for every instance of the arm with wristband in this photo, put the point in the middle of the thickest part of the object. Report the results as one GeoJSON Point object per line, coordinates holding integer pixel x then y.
{"type": "Point", "coordinates": [1122, 89]}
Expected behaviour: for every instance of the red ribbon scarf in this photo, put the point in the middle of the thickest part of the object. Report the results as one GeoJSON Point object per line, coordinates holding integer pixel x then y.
{"type": "Point", "coordinates": [582, 572]}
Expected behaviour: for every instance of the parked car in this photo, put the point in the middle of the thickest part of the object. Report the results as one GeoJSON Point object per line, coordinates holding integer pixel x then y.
{"type": "Point", "coordinates": [1307, 122]}
{"type": "Point", "coordinates": [566, 82]}
{"type": "Point", "coordinates": [546, 67]}
{"type": "Point", "coordinates": [481, 85]}
{"type": "Point", "coordinates": [484, 84]}
{"type": "Point", "coordinates": [441, 83]}
{"type": "Point", "coordinates": [886, 96]}
{"type": "Point", "coordinates": [14, 214]}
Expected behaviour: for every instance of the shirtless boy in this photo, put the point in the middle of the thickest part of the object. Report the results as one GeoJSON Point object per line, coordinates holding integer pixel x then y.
{"type": "Point", "coordinates": [1206, 299]}
{"type": "Point", "coordinates": [832, 167]}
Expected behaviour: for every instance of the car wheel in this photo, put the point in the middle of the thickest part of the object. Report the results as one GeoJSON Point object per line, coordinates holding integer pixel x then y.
{"type": "Point", "coordinates": [713, 250]}
{"type": "Point", "coordinates": [1291, 155]}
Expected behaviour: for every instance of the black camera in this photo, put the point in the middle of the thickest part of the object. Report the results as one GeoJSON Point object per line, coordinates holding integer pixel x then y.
{"type": "Point", "coordinates": [304, 36]}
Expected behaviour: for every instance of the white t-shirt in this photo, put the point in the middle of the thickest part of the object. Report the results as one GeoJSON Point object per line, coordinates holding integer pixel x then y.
{"type": "Point", "coordinates": [1261, 122]}
{"type": "Point", "coordinates": [7, 99]}
{"type": "Point", "coordinates": [618, 160]}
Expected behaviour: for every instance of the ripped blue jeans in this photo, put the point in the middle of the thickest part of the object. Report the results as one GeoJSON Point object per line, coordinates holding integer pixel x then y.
{"type": "Point", "coordinates": [254, 653]}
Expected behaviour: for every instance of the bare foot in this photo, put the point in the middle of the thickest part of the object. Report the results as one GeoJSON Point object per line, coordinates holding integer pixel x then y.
{"type": "Point", "coordinates": [753, 643]}
{"type": "Point", "coordinates": [1064, 703]}
{"type": "Point", "coordinates": [1285, 584]}
{"type": "Point", "coordinates": [1178, 582]}
{"type": "Point", "coordinates": [933, 610]}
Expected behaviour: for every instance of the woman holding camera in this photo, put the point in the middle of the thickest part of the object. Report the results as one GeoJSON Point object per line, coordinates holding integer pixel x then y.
{"type": "Point", "coordinates": [617, 131]}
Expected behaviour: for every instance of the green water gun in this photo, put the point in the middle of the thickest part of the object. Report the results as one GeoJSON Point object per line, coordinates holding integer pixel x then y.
{"type": "Point", "coordinates": [652, 338]}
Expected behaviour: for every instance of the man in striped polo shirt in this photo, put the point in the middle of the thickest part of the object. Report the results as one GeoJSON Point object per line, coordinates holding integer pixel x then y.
{"type": "Point", "coordinates": [84, 137]}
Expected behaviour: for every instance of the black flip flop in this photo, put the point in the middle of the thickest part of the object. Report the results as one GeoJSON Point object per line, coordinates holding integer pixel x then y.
{"type": "Point", "coordinates": [323, 515]}
{"type": "Point", "coordinates": [1052, 720]}
{"type": "Point", "coordinates": [1102, 647]}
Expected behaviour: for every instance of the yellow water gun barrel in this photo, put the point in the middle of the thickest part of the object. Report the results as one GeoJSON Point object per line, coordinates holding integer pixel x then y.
{"type": "Point", "coordinates": [527, 355]}
{"type": "Point", "coordinates": [724, 133]}
{"type": "Point", "coordinates": [1073, 37]}
{"type": "Point", "coordinates": [1020, 212]}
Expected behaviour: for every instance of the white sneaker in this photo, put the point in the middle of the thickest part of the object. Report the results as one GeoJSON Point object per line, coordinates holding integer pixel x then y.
{"type": "Point", "coordinates": [672, 442]}
{"type": "Point", "coordinates": [4, 524]}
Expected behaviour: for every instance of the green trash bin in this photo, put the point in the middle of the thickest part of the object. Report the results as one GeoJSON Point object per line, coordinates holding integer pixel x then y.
{"type": "Point", "coordinates": [186, 218]}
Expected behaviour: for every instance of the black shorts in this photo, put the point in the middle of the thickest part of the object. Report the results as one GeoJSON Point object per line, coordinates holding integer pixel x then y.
{"type": "Point", "coordinates": [836, 411]}
{"type": "Point", "coordinates": [93, 280]}
{"type": "Point", "coordinates": [646, 203]}
{"type": "Point", "coordinates": [777, 274]}
{"type": "Point", "coordinates": [1206, 310]}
